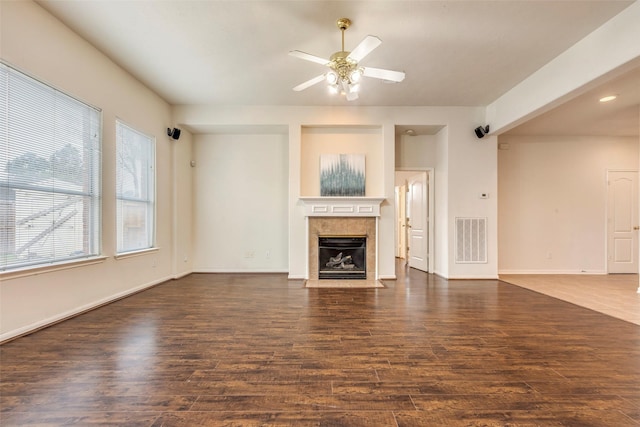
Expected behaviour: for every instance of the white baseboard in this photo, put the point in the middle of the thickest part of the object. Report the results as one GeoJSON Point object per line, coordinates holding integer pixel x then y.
{"type": "Point", "coordinates": [216, 270]}
{"type": "Point", "coordinates": [464, 277]}
{"type": "Point", "coordinates": [593, 272]}
{"type": "Point", "coordinates": [181, 275]}
{"type": "Point", "coordinates": [76, 311]}
{"type": "Point", "coordinates": [439, 274]}
{"type": "Point", "coordinates": [387, 277]}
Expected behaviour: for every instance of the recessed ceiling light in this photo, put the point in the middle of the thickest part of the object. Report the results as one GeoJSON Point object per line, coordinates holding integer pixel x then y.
{"type": "Point", "coordinates": [608, 98]}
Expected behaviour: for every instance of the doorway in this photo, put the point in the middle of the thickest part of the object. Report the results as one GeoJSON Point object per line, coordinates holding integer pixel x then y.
{"type": "Point", "coordinates": [414, 218]}
{"type": "Point", "coordinates": [622, 221]}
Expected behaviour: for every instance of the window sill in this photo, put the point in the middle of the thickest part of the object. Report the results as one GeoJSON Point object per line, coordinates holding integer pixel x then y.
{"type": "Point", "coordinates": [34, 271]}
{"type": "Point", "coordinates": [131, 254]}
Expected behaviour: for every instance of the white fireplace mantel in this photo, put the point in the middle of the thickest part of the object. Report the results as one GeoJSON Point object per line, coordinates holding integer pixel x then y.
{"type": "Point", "coordinates": [342, 206]}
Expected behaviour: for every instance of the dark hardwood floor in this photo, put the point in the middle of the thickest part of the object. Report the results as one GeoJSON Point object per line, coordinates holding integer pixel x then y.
{"type": "Point", "coordinates": [258, 350]}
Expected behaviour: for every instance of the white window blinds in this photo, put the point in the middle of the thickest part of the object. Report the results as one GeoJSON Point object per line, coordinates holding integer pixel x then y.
{"type": "Point", "coordinates": [49, 174]}
{"type": "Point", "coordinates": [135, 189]}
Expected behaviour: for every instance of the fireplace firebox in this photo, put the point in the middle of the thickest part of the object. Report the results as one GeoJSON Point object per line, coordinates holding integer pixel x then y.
{"type": "Point", "coordinates": [342, 257]}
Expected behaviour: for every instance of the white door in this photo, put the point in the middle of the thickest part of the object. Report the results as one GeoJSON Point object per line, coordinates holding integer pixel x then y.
{"type": "Point", "coordinates": [401, 221]}
{"type": "Point", "coordinates": [418, 224]}
{"type": "Point", "coordinates": [622, 222]}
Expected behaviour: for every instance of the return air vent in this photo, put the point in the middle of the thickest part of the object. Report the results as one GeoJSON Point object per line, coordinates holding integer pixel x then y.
{"type": "Point", "coordinates": [471, 240]}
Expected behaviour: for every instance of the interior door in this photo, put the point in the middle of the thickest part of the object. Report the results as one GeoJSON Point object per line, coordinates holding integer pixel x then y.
{"type": "Point", "coordinates": [418, 224]}
{"type": "Point", "coordinates": [622, 222]}
{"type": "Point", "coordinates": [401, 221]}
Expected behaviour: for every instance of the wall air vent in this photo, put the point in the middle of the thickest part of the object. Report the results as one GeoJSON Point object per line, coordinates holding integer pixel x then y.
{"type": "Point", "coordinates": [471, 240]}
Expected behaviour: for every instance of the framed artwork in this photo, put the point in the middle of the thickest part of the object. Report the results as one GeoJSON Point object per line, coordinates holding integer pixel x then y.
{"type": "Point", "coordinates": [342, 175]}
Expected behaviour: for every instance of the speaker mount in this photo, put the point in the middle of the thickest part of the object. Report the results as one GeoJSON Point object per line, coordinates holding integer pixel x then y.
{"type": "Point", "coordinates": [481, 131]}
{"type": "Point", "coordinates": [174, 133]}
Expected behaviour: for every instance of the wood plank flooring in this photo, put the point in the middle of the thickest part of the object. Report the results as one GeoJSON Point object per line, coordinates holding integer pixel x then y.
{"type": "Point", "coordinates": [259, 350]}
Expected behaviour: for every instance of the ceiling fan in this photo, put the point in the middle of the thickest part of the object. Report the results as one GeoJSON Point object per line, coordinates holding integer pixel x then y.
{"type": "Point", "coordinates": [345, 73]}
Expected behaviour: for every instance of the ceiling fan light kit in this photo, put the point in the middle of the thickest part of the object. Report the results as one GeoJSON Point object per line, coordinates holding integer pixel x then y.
{"type": "Point", "coordinates": [345, 73]}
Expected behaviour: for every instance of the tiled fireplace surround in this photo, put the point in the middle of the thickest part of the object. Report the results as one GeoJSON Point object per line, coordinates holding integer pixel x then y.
{"type": "Point", "coordinates": [341, 226]}
{"type": "Point", "coordinates": [336, 217]}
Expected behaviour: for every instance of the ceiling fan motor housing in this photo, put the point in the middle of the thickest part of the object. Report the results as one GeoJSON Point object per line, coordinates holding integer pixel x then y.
{"type": "Point", "coordinates": [343, 66]}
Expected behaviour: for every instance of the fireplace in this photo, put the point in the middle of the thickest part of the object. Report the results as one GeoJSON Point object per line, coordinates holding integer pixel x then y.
{"type": "Point", "coordinates": [341, 227]}
{"type": "Point", "coordinates": [344, 217]}
{"type": "Point", "coordinates": [342, 257]}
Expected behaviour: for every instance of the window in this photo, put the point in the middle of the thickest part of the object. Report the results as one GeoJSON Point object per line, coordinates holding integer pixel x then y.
{"type": "Point", "coordinates": [135, 189]}
{"type": "Point", "coordinates": [49, 174]}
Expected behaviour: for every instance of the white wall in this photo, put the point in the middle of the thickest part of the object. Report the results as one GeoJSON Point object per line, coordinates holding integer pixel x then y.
{"type": "Point", "coordinates": [441, 263]}
{"type": "Point", "coordinates": [458, 180]}
{"type": "Point", "coordinates": [35, 42]}
{"type": "Point", "coordinates": [183, 173]}
{"type": "Point", "coordinates": [240, 217]}
{"type": "Point", "coordinates": [471, 170]}
{"type": "Point", "coordinates": [416, 152]}
{"type": "Point", "coordinates": [552, 207]}
{"type": "Point", "coordinates": [403, 176]}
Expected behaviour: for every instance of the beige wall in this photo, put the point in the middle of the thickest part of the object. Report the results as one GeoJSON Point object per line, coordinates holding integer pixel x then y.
{"type": "Point", "coordinates": [341, 140]}
{"type": "Point", "coordinates": [552, 201]}
{"type": "Point", "coordinates": [240, 216]}
{"type": "Point", "coordinates": [35, 42]}
{"type": "Point", "coordinates": [416, 152]}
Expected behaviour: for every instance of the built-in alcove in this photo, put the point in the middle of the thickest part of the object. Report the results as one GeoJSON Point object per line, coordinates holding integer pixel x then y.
{"type": "Point", "coordinates": [319, 140]}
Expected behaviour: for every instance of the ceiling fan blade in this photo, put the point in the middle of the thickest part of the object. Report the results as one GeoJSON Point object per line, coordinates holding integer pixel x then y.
{"type": "Point", "coordinates": [364, 48]}
{"type": "Point", "coordinates": [379, 73]}
{"type": "Point", "coordinates": [309, 57]}
{"type": "Point", "coordinates": [349, 91]}
{"type": "Point", "coordinates": [309, 83]}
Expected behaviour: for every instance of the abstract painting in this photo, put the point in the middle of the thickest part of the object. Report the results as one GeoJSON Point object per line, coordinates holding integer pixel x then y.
{"type": "Point", "coordinates": [342, 175]}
